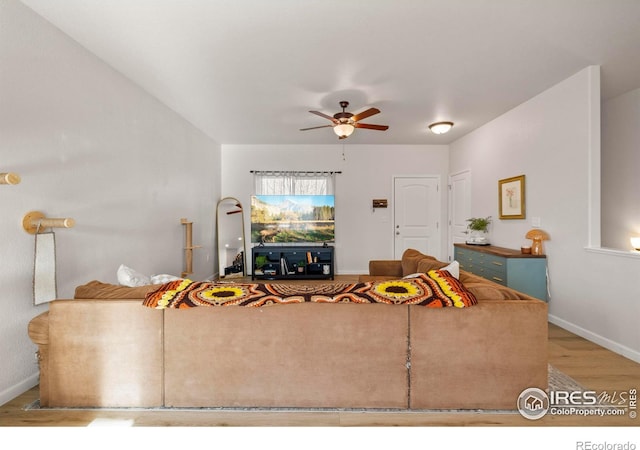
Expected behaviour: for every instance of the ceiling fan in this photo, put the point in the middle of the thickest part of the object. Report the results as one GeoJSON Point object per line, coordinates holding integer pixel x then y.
{"type": "Point", "coordinates": [343, 123]}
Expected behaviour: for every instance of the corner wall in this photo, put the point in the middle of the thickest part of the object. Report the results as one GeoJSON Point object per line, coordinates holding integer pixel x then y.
{"type": "Point", "coordinates": [554, 140]}
{"type": "Point", "coordinates": [90, 145]}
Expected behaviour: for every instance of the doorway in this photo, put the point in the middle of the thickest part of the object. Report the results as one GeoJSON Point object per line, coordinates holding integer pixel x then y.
{"type": "Point", "coordinates": [417, 212]}
{"type": "Point", "coordinates": [459, 208]}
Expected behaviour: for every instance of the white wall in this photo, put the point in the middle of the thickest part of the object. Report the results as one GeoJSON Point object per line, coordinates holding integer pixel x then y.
{"type": "Point", "coordinates": [620, 166]}
{"type": "Point", "coordinates": [367, 173]}
{"type": "Point", "coordinates": [89, 145]}
{"type": "Point", "coordinates": [553, 140]}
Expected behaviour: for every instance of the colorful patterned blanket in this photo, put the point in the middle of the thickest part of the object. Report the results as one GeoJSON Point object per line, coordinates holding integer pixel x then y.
{"type": "Point", "coordinates": [436, 289]}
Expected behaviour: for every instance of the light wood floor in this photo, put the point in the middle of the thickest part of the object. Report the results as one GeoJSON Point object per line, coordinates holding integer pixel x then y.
{"type": "Point", "coordinates": [589, 364]}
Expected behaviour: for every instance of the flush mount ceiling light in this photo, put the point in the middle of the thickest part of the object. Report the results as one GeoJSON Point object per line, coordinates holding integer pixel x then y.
{"type": "Point", "coordinates": [440, 127]}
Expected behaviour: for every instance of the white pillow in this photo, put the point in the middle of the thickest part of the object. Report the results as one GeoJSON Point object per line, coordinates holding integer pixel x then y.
{"type": "Point", "coordinates": [129, 277]}
{"type": "Point", "coordinates": [453, 269]}
{"type": "Point", "coordinates": [163, 278]}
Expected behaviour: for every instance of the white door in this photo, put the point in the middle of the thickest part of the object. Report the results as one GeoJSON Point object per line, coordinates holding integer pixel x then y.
{"type": "Point", "coordinates": [417, 215]}
{"type": "Point", "coordinates": [459, 207]}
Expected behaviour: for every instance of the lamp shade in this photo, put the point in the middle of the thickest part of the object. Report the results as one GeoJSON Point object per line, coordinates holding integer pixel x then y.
{"type": "Point", "coordinates": [343, 129]}
{"type": "Point", "coordinates": [635, 242]}
{"type": "Point", "coordinates": [440, 127]}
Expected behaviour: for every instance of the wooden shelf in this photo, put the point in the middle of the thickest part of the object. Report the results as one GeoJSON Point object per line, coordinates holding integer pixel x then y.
{"type": "Point", "coordinates": [279, 262]}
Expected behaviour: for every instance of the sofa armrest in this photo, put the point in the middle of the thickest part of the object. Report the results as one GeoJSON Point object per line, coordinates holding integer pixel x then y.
{"type": "Point", "coordinates": [104, 353]}
{"type": "Point", "coordinates": [391, 268]}
{"type": "Point", "coordinates": [39, 329]}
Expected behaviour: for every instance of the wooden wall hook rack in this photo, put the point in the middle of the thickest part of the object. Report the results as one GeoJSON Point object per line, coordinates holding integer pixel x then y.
{"type": "Point", "coordinates": [9, 178]}
{"type": "Point", "coordinates": [188, 247]}
{"type": "Point", "coordinates": [35, 221]}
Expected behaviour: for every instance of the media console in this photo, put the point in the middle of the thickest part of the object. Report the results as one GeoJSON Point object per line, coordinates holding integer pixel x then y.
{"type": "Point", "coordinates": [277, 262]}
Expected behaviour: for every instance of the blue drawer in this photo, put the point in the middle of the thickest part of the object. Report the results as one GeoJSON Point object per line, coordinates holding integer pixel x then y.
{"type": "Point", "coordinates": [524, 274]}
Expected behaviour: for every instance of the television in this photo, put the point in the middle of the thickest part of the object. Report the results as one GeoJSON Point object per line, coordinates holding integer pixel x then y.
{"type": "Point", "coordinates": [292, 219]}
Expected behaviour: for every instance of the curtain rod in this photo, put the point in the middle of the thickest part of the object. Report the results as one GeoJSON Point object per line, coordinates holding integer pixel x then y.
{"type": "Point", "coordinates": [296, 171]}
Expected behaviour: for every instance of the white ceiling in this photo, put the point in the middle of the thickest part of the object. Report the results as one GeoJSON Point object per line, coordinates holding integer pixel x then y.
{"type": "Point", "coordinates": [248, 71]}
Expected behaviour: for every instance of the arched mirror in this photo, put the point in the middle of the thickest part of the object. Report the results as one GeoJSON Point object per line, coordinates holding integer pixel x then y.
{"type": "Point", "coordinates": [230, 236]}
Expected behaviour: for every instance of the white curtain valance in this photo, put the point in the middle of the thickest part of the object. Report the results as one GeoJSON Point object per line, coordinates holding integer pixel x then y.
{"type": "Point", "coordinates": [286, 182]}
{"type": "Point", "coordinates": [294, 172]}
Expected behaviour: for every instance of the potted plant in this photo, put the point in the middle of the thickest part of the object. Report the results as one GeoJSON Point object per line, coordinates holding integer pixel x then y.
{"type": "Point", "coordinates": [260, 261]}
{"type": "Point", "coordinates": [478, 230]}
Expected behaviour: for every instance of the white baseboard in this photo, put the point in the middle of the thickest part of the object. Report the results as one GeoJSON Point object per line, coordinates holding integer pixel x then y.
{"type": "Point", "coordinates": [615, 347]}
{"type": "Point", "coordinates": [17, 389]}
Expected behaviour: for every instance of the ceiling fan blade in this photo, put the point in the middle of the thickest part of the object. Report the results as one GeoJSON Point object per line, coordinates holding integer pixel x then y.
{"type": "Point", "coordinates": [318, 113]}
{"type": "Point", "coordinates": [370, 126]}
{"type": "Point", "coordinates": [364, 114]}
{"type": "Point", "coordinates": [313, 128]}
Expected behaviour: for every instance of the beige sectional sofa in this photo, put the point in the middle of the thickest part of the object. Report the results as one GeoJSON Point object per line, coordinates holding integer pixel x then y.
{"type": "Point", "coordinates": [104, 349]}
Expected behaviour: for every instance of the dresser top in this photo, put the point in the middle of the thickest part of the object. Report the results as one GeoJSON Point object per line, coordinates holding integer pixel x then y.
{"type": "Point", "coordinates": [498, 251]}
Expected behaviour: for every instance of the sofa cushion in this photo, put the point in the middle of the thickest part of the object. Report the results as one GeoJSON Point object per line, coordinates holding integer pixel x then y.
{"type": "Point", "coordinates": [387, 268]}
{"type": "Point", "coordinates": [410, 260]}
{"type": "Point", "coordinates": [97, 289]}
{"type": "Point", "coordinates": [427, 264]}
{"type": "Point", "coordinates": [487, 291]}
{"type": "Point", "coordinates": [468, 277]}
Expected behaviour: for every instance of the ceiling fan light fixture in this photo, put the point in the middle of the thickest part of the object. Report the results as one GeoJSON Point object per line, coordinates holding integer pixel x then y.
{"type": "Point", "coordinates": [343, 130]}
{"type": "Point", "coordinates": [440, 127]}
{"type": "Point", "coordinates": [344, 122]}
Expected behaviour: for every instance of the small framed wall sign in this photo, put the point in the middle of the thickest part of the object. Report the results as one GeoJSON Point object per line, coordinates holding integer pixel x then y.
{"type": "Point", "coordinates": [511, 198]}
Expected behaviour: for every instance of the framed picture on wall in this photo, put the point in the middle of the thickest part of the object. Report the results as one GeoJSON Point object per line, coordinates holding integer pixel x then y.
{"type": "Point", "coordinates": [511, 198]}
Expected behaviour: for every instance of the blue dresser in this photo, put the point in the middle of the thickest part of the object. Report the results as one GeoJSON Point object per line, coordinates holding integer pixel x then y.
{"type": "Point", "coordinates": [505, 266]}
